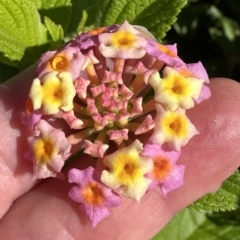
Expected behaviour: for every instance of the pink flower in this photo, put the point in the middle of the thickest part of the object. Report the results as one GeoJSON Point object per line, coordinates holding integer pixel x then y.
{"type": "Point", "coordinates": [90, 39]}
{"type": "Point", "coordinates": [166, 174]}
{"type": "Point", "coordinates": [49, 150]}
{"type": "Point", "coordinates": [67, 60]}
{"type": "Point", "coordinates": [165, 53]}
{"type": "Point", "coordinates": [195, 70]}
{"type": "Point", "coordinates": [93, 196]}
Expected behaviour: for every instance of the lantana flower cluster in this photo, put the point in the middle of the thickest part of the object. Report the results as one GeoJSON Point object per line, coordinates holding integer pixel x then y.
{"type": "Point", "coordinates": [124, 98]}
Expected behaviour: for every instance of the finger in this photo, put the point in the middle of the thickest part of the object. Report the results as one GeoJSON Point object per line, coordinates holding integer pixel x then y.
{"type": "Point", "coordinates": [47, 212]}
{"type": "Point", "coordinates": [15, 171]}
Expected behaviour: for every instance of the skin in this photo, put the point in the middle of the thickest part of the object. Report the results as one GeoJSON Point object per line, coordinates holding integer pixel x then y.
{"type": "Point", "coordinates": [38, 210]}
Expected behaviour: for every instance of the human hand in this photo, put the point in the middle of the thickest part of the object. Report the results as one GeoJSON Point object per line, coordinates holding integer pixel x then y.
{"type": "Point", "coordinates": [43, 210]}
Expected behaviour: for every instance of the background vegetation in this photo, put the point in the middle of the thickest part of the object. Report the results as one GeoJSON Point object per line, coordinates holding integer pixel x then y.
{"type": "Point", "coordinates": [210, 30]}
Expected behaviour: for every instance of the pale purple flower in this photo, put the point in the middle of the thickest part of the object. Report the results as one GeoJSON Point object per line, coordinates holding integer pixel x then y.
{"type": "Point", "coordinates": [31, 119]}
{"type": "Point", "coordinates": [90, 39]}
{"type": "Point", "coordinates": [166, 173]}
{"type": "Point", "coordinates": [195, 70]}
{"type": "Point", "coordinates": [49, 149]}
{"type": "Point", "coordinates": [165, 53]}
{"type": "Point", "coordinates": [84, 41]}
{"type": "Point", "coordinates": [204, 94]}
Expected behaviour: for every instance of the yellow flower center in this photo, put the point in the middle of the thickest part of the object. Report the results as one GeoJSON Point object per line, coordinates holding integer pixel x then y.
{"type": "Point", "coordinates": [92, 194]}
{"type": "Point", "coordinates": [166, 50]}
{"type": "Point", "coordinates": [177, 89]}
{"type": "Point", "coordinates": [43, 150]}
{"type": "Point", "coordinates": [126, 168]}
{"type": "Point", "coordinates": [53, 92]}
{"type": "Point", "coordinates": [123, 39]}
{"type": "Point", "coordinates": [161, 167]}
{"type": "Point", "coordinates": [174, 124]}
{"type": "Point", "coordinates": [59, 63]}
{"type": "Point", "coordinates": [178, 85]}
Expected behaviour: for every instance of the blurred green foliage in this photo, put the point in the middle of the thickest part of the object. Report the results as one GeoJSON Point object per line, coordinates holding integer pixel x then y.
{"type": "Point", "coordinates": [209, 30]}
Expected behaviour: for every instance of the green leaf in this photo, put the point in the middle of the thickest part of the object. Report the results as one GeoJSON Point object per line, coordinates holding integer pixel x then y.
{"type": "Point", "coordinates": [78, 8]}
{"type": "Point", "coordinates": [55, 31]}
{"type": "Point", "coordinates": [225, 218]}
{"type": "Point", "coordinates": [7, 61]}
{"type": "Point", "coordinates": [225, 199]}
{"type": "Point", "coordinates": [182, 226]}
{"type": "Point", "coordinates": [82, 22]}
{"type": "Point", "coordinates": [20, 31]}
{"type": "Point", "coordinates": [58, 10]}
{"type": "Point", "coordinates": [229, 28]}
{"type": "Point", "coordinates": [156, 15]}
{"type": "Point", "coordinates": [192, 225]}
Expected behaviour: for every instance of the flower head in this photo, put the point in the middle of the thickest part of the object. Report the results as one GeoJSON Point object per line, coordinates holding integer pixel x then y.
{"type": "Point", "coordinates": [123, 98]}
{"type": "Point", "coordinates": [94, 197]}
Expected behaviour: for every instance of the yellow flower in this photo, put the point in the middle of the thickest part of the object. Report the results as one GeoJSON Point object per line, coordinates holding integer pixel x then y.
{"type": "Point", "coordinates": [173, 128]}
{"type": "Point", "coordinates": [44, 149]}
{"type": "Point", "coordinates": [174, 90]}
{"type": "Point", "coordinates": [124, 43]}
{"type": "Point", "coordinates": [123, 39]}
{"type": "Point", "coordinates": [127, 170]}
{"type": "Point", "coordinates": [54, 92]}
